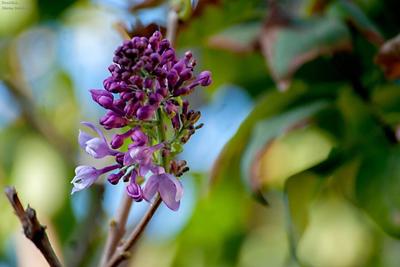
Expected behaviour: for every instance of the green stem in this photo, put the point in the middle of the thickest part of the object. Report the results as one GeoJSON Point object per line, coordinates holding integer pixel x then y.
{"type": "Point", "coordinates": [289, 231]}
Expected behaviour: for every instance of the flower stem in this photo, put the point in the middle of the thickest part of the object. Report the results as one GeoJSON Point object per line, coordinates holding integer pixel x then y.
{"type": "Point", "coordinates": [117, 229]}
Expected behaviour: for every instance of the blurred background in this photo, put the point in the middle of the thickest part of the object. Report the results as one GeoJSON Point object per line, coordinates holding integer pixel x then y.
{"type": "Point", "coordinates": [298, 163]}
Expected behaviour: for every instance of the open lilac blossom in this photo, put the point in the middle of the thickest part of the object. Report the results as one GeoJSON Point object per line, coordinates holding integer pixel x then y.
{"type": "Point", "coordinates": [85, 176]}
{"type": "Point", "coordinates": [144, 97]}
{"type": "Point", "coordinates": [95, 146]}
{"type": "Point", "coordinates": [169, 187]}
{"type": "Point", "coordinates": [143, 156]}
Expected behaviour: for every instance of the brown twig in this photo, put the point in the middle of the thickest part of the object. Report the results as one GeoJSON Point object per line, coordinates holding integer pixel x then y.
{"type": "Point", "coordinates": [33, 230]}
{"type": "Point", "coordinates": [117, 229]}
{"type": "Point", "coordinates": [122, 253]}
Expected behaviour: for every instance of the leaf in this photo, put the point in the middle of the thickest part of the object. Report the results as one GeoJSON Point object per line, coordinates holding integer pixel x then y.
{"type": "Point", "coordinates": [286, 47]}
{"type": "Point", "coordinates": [301, 190]}
{"type": "Point", "coordinates": [288, 155]}
{"type": "Point", "coordinates": [227, 164]}
{"type": "Point", "coordinates": [266, 131]}
{"type": "Point", "coordinates": [357, 18]}
{"type": "Point", "coordinates": [216, 16]}
{"type": "Point", "coordinates": [377, 187]}
{"type": "Point", "coordinates": [388, 58]}
{"type": "Point", "coordinates": [146, 4]}
{"type": "Point", "coordinates": [239, 38]}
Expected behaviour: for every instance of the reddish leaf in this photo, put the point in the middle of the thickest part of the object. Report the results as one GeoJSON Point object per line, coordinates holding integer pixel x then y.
{"type": "Point", "coordinates": [240, 38]}
{"type": "Point", "coordinates": [356, 17]}
{"type": "Point", "coordinates": [287, 45]}
{"type": "Point", "coordinates": [389, 58]}
{"type": "Point", "coordinates": [146, 4]}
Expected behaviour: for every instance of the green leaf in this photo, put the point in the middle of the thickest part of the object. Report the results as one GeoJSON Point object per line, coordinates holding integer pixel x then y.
{"type": "Point", "coordinates": [377, 187]}
{"type": "Point", "coordinates": [288, 155]}
{"type": "Point", "coordinates": [216, 18]}
{"type": "Point", "coordinates": [353, 14]}
{"type": "Point", "coordinates": [301, 190]}
{"type": "Point", "coordinates": [266, 131]}
{"type": "Point", "coordinates": [287, 48]}
{"type": "Point", "coordinates": [238, 38]}
{"type": "Point", "coordinates": [228, 163]}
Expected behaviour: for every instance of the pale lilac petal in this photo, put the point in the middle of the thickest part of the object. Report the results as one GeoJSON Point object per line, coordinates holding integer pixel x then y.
{"type": "Point", "coordinates": [169, 191]}
{"type": "Point", "coordinates": [83, 138]}
{"type": "Point", "coordinates": [144, 169]}
{"type": "Point", "coordinates": [135, 152]}
{"type": "Point", "coordinates": [97, 148]}
{"type": "Point", "coordinates": [85, 177]}
{"type": "Point", "coordinates": [151, 187]}
{"type": "Point", "coordinates": [128, 160]}
{"type": "Point", "coordinates": [157, 169]}
{"type": "Point", "coordinates": [94, 128]}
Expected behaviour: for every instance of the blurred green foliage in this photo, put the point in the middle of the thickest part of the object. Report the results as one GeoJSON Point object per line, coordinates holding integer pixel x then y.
{"type": "Point", "coordinates": [310, 178]}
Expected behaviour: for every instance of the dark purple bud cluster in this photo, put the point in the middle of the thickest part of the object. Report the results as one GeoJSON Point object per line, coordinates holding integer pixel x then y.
{"type": "Point", "coordinates": [144, 94]}
{"type": "Point", "coordinates": [146, 74]}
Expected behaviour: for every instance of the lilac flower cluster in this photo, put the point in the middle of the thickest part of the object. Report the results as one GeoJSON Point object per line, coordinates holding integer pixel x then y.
{"type": "Point", "coordinates": [143, 96]}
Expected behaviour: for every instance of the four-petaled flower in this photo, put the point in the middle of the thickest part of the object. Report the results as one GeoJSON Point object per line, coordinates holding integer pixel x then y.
{"type": "Point", "coordinates": [97, 147]}
{"type": "Point", "coordinates": [169, 188]}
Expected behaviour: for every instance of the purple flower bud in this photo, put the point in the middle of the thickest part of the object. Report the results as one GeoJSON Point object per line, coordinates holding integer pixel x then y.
{"type": "Point", "coordinates": [155, 99]}
{"type": "Point", "coordinates": [155, 58]}
{"type": "Point", "coordinates": [182, 91]}
{"type": "Point", "coordinates": [155, 40]}
{"type": "Point", "coordinates": [171, 108]}
{"type": "Point", "coordinates": [117, 141]}
{"type": "Point", "coordinates": [131, 109]}
{"type": "Point", "coordinates": [112, 120]}
{"type": "Point", "coordinates": [163, 91]}
{"type": "Point", "coordinates": [114, 178]}
{"type": "Point", "coordinates": [102, 97]}
{"type": "Point", "coordinates": [145, 112]}
{"type": "Point", "coordinates": [204, 78]}
{"type": "Point", "coordinates": [168, 55]}
{"type": "Point", "coordinates": [176, 123]}
{"type": "Point", "coordinates": [185, 75]}
{"type": "Point", "coordinates": [188, 56]}
{"type": "Point", "coordinates": [135, 191]}
{"type": "Point", "coordinates": [185, 106]}
{"type": "Point", "coordinates": [164, 45]}
{"type": "Point", "coordinates": [126, 96]}
{"type": "Point", "coordinates": [113, 68]}
{"type": "Point", "coordinates": [172, 78]}
{"type": "Point", "coordinates": [119, 158]}
{"type": "Point", "coordinates": [140, 95]}
{"type": "Point", "coordinates": [148, 83]}
{"type": "Point", "coordinates": [159, 72]}
{"type": "Point", "coordinates": [136, 80]}
{"type": "Point", "coordinates": [139, 138]}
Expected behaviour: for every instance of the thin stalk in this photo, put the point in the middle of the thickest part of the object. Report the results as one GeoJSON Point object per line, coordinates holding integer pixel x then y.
{"type": "Point", "coordinates": [122, 253]}
{"type": "Point", "coordinates": [117, 229]}
{"type": "Point", "coordinates": [289, 231]}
